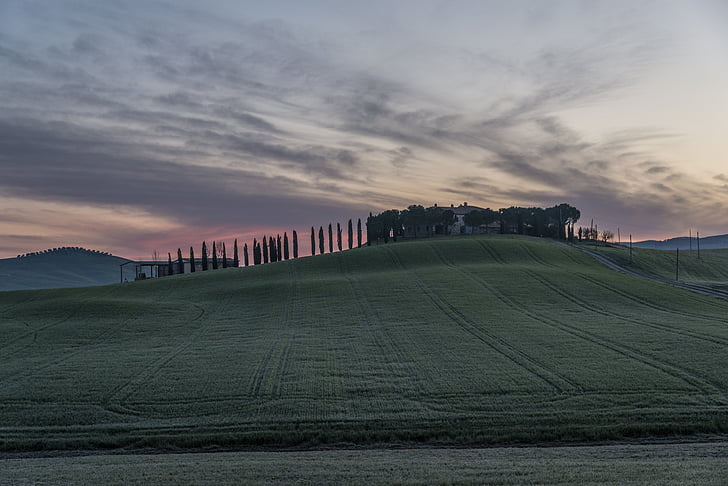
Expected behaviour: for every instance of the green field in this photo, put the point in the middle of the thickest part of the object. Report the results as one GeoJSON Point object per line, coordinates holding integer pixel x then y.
{"type": "Point", "coordinates": [692, 464]}
{"type": "Point", "coordinates": [462, 341]}
{"type": "Point", "coordinates": [709, 268]}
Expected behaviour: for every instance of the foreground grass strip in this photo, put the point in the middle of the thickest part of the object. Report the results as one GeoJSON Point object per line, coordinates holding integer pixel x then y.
{"type": "Point", "coordinates": [702, 464]}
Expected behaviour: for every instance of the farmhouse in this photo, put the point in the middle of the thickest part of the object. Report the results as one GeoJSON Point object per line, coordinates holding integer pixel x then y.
{"type": "Point", "coordinates": [460, 228]}
{"type": "Point", "coordinates": [144, 269]}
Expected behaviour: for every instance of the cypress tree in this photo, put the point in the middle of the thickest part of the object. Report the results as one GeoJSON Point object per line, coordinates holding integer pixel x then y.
{"type": "Point", "coordinates": [321, 240]}
{"type": "Point", "coordinates": [256, 252]}
{"type": "Point", "coordinates": [265, 250]}
{"type": "Point", "coordinates": [224, 256]}
{"type": "Point", "coordinates": [214, 256]}
{"type": "Point", "coordinates": [170, 267]}
{"type": "Point", "coordinates": [245, 255]}
{"type": "Point", "coordinates": [331, 240]}
{"type": "Point", "coordinates": [192, 259]}
{"type": "Point", "coordinates": [351, 235]}
{"type": "Point", "coordinates": [280, 249]}
{"type": "Point", "coordinates": [272, 249]}
{"type": "Point", "coordinates": [358, 233]}
{"type": "Point", "coordinates": [180, 262]}
{"type": "Point", "coordinates": [338, 236]}
{"type": "Point", "coordinates": [236, 260]}
{"type": "Point", "coordinates": [295, 244]}
{"type": "Point", "coordinates": [285, 246]}
{"type": "Point", "coordinates": [369, 236]}
{"type": "Point", "coordinates": [204, 256]}
{"type": "Point", "coordinates": [313, 242]}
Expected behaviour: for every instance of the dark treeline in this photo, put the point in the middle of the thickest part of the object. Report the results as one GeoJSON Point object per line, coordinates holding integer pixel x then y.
{"type": "Point", "coordinates": [269, 249]}
{"type": "Point", "coordinates": [66, 250]}
{"type": "Point", "coordinates": [416, 221]}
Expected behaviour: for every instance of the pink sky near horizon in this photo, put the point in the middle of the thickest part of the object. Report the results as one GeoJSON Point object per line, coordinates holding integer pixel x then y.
{"type": "Point", "coordinates": [134, 126]}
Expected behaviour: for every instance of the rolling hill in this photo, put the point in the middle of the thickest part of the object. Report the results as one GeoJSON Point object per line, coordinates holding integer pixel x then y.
{"type": "Point", "coordinates": [684, 243]}
{"type": "Point", "coordinates": [453, 341]}
{"type": "Point", "coordinates": [60, 268]}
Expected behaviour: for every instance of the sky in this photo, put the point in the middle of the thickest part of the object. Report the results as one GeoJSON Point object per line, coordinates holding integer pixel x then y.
{"type": "Point", "coordinates": [141, 126]}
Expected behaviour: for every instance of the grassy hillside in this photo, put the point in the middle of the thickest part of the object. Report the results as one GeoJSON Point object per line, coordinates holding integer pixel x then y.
{"type": "Point", "coordinates": [451, 341]}
{"type": "Point", "coordinates": [686, 243]}
{"type": "Point", "coordinates": [710, 269]}
{"type": "Point", "coordinates": [66, 267]}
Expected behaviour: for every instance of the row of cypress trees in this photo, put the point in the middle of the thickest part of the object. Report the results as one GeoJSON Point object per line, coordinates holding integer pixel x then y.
{"type": "Point", "coordinates": [268, 250]}
{"type": "Point", "coordinates": [339, 245]}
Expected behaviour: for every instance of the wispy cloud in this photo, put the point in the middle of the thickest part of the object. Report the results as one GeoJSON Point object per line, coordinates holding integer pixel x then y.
{"type": "Point", "coordinates": [191, 115]}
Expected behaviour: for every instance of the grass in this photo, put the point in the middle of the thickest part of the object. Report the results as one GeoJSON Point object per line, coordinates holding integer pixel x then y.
{"type": "Point", "coordinates": [462, 341]}
{"type": "Point", "coordinates": [701, 464]}
{"type": "Point", "coordinates": [710, 268]}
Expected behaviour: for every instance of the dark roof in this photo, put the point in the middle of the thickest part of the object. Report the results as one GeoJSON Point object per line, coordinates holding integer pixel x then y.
{"type": "Point", "coordinates": [465, 209]}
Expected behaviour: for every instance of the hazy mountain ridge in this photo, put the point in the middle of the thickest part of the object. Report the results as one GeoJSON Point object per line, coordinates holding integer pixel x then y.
{"type": "Point", "coordinates": [684, 243]}
{"type": "Point", "coordinates": [59, 268]}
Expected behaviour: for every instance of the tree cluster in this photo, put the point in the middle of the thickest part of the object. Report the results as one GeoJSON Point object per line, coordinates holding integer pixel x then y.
{"type": "Point", "coordinates": [555, 222]}
{"type": "Point", "coordinates": [420, 220]}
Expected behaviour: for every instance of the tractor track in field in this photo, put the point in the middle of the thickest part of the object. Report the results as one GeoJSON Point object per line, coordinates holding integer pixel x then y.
{"type": "Point", "coordinates": [635, 298]}
{"type": "Point", "coordinates": [264, 367]}
{"type": "Point", "coordinates": [292, 310]}
{"type": "Point", "coordinates": [381, 338]}
{"type": "Point", "coordinates": [116, 400]}
{"type": "Point", "coordinates": [533, 256]}
{"type": "Point", "coordinates": [676, 372]}
{"type": "Point", "coordinates": [551, 377]}
{"type": "Point", "coordinates": [581, 303]}
{"type": "Point", "coordinates": [700, 289]}
{"type": "Point", "coordinates": [488, 249]}
{"type": "Point", "coordinates": [50, 325]}
{"type": "Point", "coordinates": [11, 381]}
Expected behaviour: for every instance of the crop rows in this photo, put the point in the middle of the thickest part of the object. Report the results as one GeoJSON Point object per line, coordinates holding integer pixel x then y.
{"type": "Point", "coordinates": [464, 340]}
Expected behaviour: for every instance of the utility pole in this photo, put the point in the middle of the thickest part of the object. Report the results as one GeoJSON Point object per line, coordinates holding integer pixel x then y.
{"type": "Point", "coordinates": [677, 264]}
{"type": "Point", "coordinates": [630, 248]}
{"type": "Point", "coordinates": [698, 240]}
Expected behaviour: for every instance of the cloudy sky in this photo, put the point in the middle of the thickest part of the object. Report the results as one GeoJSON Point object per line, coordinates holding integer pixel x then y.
{"type": "Point", "coordinates": [134, 126]}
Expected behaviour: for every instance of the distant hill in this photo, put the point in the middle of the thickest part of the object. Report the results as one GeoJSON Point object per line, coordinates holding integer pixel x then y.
{"type": "Point", "coordinates": [684, 243]}
{"type": "Point", "coordinates": [61, 267]}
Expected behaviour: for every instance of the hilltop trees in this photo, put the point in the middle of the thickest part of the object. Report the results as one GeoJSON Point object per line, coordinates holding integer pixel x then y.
{"type": "Point", "coordinates": [204, 256]}
{"type": "Point", "coordinates": [295, 244]}
{"type": "Point", "coordinates": [554, 222]}
{"type": "Point", "coordinates": [236, 260]}
{"type": "Point", "coordinates": [321, 240]}
{"type": "Point", "coordinates": [313, 242]}
{"type": "Point", "coordinates": [350, 235]}
{"type": "Point", "coordinates": [338, 236]}
{"type": "Point", "coordinates": [331, 240]}
{"type": "Point", "coordinates": [358, 233]}
{"type": "Point", "coordinates": [192, 260]}
{"type": "Point", "coordinates": [477, 218]}
{"type": "Point", "coordinates": [285, 246]}
{"type": "Point", "coordinates": [257, 256]}
{"type": "Point", "coordinates": [224, 256]}
{"type": "Point", "coordinates": [170, 267]}
{"type": "Point", "coordinates": [265, 250]}
{"type": "Point", "coordinates": [180, 261]}
{"type": "Point", "coordinates": [245, 254]}
{"type": "Point", "coordinates": [214, 256]}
